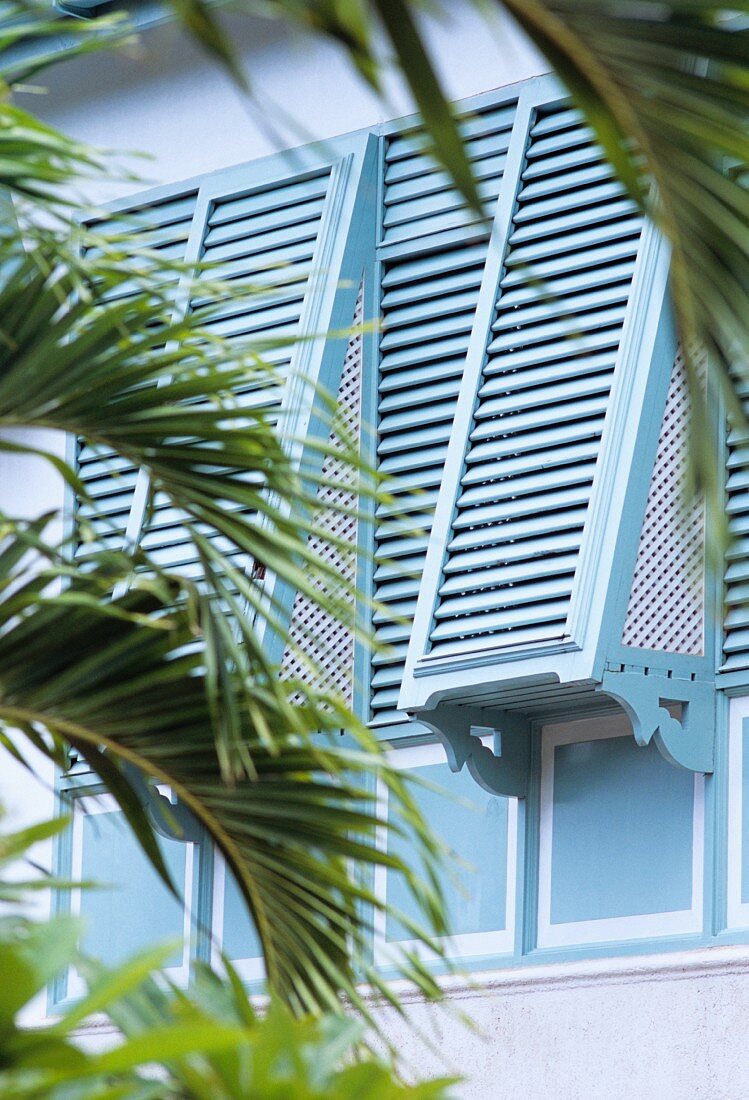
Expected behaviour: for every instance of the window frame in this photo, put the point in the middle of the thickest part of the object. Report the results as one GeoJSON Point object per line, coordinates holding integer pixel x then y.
{"type": "Point", "coordinates": [464, 945]}
{"type": "Point", "coordinates": [607, 929]}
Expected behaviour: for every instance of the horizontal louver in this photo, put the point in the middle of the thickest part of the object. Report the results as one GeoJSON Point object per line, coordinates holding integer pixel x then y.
{"type": "Point", "coordinates": [736, 640]}
{"type": "Point", "coordinates": [428, 304]}
{"type": "Point", "coordinates": [159, 233]}
{"type": "Point", "coordinates": [542, 398]}
{"type": "Point", "coordinates": [419, 199]}
{"type": "Point", "coordinates": [262, 243]}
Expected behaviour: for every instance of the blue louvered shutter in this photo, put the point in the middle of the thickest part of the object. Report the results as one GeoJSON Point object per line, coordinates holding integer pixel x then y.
{"type": "Point", "coordinates": [162, 228]}
{"type": "Point", "coordinates": [526, 485]}
{"type": "Point", "coordinates": [432, 251]}
{"type": "Point", "coordinates": [568, 275]}
{"type": "Point", "coordinates": [263, 225]}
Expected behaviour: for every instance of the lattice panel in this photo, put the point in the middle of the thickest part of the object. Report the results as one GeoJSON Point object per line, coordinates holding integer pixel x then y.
{"type": "Point", "coordinates": [666, 604]}
{"type": "Point", "coordinates": [320, 651]}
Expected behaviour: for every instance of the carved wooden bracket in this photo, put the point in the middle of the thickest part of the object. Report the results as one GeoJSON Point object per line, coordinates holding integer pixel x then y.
{"type": "Point", "coordinates": [689, 740]}
{"type": "Point", "coordinates": [502, 769]}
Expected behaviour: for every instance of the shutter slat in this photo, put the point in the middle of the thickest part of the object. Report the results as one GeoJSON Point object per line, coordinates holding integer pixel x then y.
{"type": "Point", "coordinates": [498, 621]}
{"type": "Point", "coordinates": [590, 260]}
{"type": "Point", "coordinates": [417, 183]}
{"type": "Point", "coordinates": [421, 273]}
{"type": "Point", "coordinates": [260, 202]}
{"type": "Point", "coordinates": [551, 543]}
{"type": "Point", "coordinates": [512, 573]}
{"type": "Point", "coordinates": [531, 379]}
{"type": "Point", "coordinates": [552, 305]}
{"type": "Point", "coordinates": [468, 604]}
{"type": "Point", "coordinates": [246, 228]}
{"type": "Point", "coordinates": [517, 465]}
{"type": "Point", "coordinates": [541, 480]}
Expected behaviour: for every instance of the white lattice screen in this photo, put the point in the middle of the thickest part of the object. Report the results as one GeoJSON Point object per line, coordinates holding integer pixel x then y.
{"type": "Point", "coordinates": [320, 651]}
{"type": "Point", "coordinates": [665, 610]}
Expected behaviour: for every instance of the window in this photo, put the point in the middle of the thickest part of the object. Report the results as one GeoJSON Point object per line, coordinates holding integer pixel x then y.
{"type": "Point", "coordinates": [529, 399]}
{"type": "Point", "coordinates": [480, 830]}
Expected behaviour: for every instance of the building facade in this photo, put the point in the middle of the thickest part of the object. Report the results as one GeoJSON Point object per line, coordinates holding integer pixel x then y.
{"type": "Point", "coordinates": [553, 646]}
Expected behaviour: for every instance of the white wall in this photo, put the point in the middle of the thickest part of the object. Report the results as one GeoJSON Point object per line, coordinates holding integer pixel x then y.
{"type": "Point", "coordinates": [167, 100]}
{"type": "Point", "coordinates": [647, 1028]}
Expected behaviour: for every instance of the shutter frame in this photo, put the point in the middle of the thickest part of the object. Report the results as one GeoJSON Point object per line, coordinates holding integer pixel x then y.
{"type": "Point", "coordinates": [343, 245]}
{"type": "Point", "coordinates": [502, 682]}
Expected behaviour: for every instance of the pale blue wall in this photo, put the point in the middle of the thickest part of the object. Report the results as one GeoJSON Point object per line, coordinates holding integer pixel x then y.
{"type": "Point", "coordinates": [475, 830]}
{"type": "Point", "coordinates": [622, 831]}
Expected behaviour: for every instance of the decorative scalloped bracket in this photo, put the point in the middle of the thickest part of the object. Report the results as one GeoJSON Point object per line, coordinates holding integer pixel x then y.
{"type": "Point", "coordinates": [503, 768]}
{"type": "Point", "coordinates": [687, 741]}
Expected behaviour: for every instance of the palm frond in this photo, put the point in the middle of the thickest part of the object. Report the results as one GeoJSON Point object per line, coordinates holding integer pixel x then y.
{"type": "Point", "coordinates": [122, 680]}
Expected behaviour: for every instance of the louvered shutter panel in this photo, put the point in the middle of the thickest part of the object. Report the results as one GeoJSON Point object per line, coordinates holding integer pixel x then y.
{"type": "Point", "coordinates": [529, 469]}
{"type": "Point", "coordinates": [570, 318]}
{"type": "Point", "coordinates": [164, 228]}
{"type": "Point", "coordinates": [267, 238]}
{"type": "Point", "coordinates": [299, 238]}
{"type": "Point", "coordinates": [433, 251]}
{"type": "Point", "coordinates": [736, 638]}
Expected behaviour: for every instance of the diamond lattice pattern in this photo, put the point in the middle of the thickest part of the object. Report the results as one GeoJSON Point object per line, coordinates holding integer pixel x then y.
{"type": "Point", "coordinates": [665, 610]}
{"type": "Point", "coordinates": [320, 650]}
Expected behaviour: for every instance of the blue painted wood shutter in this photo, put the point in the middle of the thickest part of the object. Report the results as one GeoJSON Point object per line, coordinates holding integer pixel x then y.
{"type": "Point", "coordinates": [432, 253]}
{"type": "Point", "coordinates": [559, 354]}
{"type": "Point", "coordinates": [302, 233]}
{"type": "Point", "coordinates": [525, 487]}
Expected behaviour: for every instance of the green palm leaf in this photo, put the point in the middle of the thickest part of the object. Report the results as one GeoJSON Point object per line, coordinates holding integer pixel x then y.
{"type": "Point", "coordinates": [122, 681]}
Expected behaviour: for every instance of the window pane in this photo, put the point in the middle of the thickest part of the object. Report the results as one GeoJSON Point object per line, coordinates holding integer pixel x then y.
{"type": "Point", "coordinates": [476, 894]}
{"type": "Point", "coordinates": [745, 815]}
{"type": "Point", "coordinates": [239, 938]}
{"type": "Point", "coordinates": [622, 831]}
{"type": "Point", "coordinates": [132, 908]}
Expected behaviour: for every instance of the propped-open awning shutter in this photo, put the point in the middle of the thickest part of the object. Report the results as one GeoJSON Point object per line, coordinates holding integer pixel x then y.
{"type": "Point", "coordinates": [560, 332]}
{"type": "Point", "coordinates": [526, 484]}
{"type": "Point", "coordinates": [298, 231]}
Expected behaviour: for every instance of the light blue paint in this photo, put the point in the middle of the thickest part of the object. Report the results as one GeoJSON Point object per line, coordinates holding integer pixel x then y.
{"type": "Point", "coordinates": [239, 938]}
{"type": "Point", "coordinates": [622, 832]}
{"type": "Point", "coordinates": [135, 909]}
{"type": "Point", "coordinates": [477, 835]}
